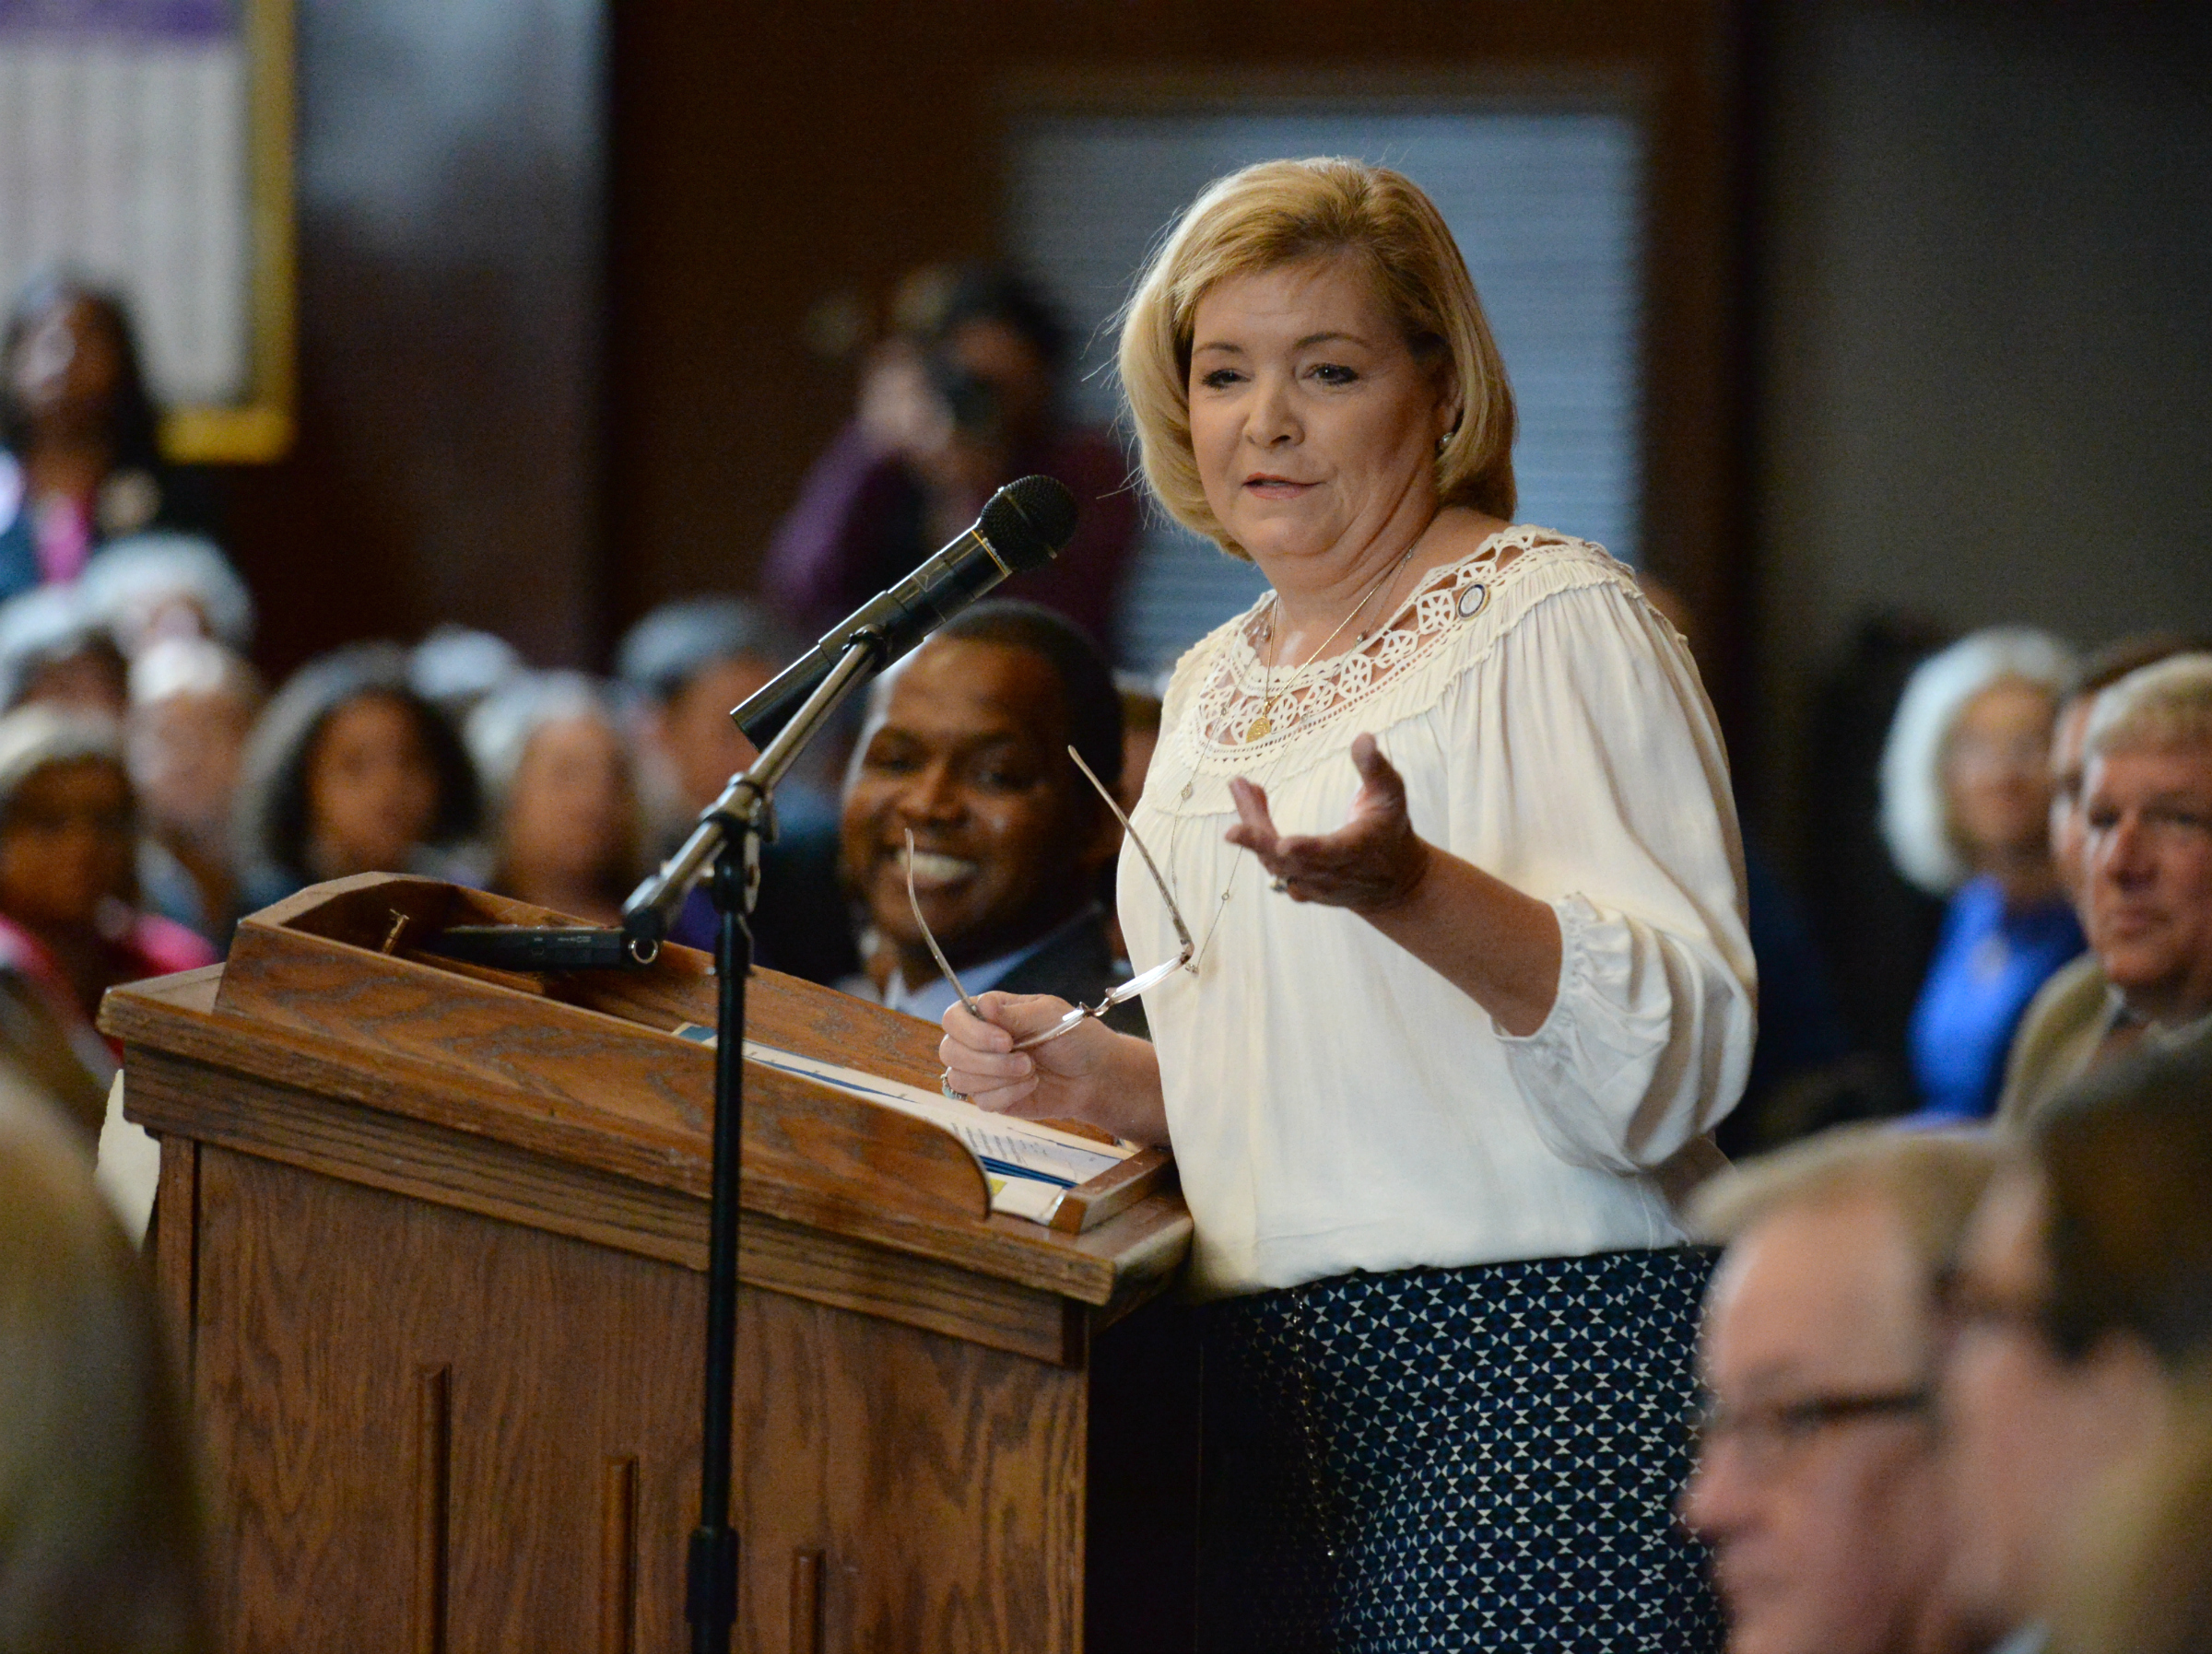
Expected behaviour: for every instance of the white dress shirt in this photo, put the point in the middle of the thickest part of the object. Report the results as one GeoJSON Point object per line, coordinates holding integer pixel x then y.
{"type": "Point", "coordinates": [1336, 1105]}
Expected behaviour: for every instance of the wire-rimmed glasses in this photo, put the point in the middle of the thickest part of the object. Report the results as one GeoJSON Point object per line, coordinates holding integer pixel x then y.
{"type": "Point", "coordinates": [1768, 1434]}
{"type": "Point", "coordinates": [1186, 950]}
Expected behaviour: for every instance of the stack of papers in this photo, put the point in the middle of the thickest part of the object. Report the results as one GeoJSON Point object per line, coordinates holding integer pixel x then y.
{"type": "Point", "coordinates": [1027, 1164]}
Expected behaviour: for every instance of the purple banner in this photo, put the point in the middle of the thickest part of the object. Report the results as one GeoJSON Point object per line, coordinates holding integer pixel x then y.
{"type": "Point", "coordinates": [151, 21]}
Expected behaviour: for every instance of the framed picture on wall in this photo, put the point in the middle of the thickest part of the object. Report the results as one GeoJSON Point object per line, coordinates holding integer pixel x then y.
{"type": "Point", "coordinates": [146, 145]}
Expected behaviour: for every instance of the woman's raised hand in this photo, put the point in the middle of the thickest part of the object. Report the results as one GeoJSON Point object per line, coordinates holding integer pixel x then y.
{"type": "Point", "coordinates": [1374, 862]}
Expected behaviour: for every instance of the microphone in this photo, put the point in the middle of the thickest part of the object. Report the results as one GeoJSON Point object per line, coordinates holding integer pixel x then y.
{"type": "Point", "coordinates": [1024, 526]}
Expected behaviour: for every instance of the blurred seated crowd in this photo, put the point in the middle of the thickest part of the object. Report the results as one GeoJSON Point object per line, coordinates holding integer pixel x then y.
{"type": "Point", "coordinates": [1959, 1364]}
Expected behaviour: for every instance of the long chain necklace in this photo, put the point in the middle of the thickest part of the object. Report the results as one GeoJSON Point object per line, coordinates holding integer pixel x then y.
{"type": "Point", "coordinates": [1264, 723]}
{"type": "Point", "coordinates": [1261, 723]}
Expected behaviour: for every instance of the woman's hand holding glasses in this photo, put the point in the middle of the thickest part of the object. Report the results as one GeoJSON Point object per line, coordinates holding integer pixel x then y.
{"type": "Point", "coordinates": [1033, 1055]}
{"type": "Point", "coordinates": [1090, 1074]}
{"type": "Point", "coordinates": [985, 1063]}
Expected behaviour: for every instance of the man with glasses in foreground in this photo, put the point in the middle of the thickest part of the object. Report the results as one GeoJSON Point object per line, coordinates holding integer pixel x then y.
{"type": "Point", "coordinates": [1818, 1484]}
{"type": "Point", "coordinates": [970, 837]}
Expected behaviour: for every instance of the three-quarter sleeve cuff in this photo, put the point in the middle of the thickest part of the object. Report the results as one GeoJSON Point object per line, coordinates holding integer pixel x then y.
{"type": "Point", "coordinates": [1611, 1075]}
{"type": "Point", "coordinates": [1577, 920]}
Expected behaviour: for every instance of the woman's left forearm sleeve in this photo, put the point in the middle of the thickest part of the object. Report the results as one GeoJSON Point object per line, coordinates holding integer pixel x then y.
{"type": "Point", "coordinates": [1646, 1046]}
{"type": "Point", "coordinates": [1597, 783]}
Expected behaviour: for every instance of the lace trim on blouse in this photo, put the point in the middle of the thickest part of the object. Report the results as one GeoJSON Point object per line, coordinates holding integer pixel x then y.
{"type": "Point", "coordinates": [1234, 715]}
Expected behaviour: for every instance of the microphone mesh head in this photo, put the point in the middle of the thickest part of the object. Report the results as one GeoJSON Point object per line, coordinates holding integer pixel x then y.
{"type": "Point", "coordinates": [1029, 521]}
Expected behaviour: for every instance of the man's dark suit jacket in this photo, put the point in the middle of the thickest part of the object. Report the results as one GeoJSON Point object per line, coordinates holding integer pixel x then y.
{"type": "Point", "coordinates": [1078, 969]}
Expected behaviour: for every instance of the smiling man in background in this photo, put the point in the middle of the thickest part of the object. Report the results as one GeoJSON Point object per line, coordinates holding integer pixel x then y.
{"type": "Point", "coordinates": [966, 746]}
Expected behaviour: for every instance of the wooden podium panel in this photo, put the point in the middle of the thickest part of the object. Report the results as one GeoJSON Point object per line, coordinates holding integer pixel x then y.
{"type": "Point", "coordinates": [433, 1242]}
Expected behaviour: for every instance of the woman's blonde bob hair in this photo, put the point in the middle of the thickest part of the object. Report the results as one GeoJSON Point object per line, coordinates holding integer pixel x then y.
{"type": "Point", "coordinates": [1280, 212]}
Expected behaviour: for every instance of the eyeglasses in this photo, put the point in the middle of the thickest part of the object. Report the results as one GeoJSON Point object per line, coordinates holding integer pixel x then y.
{"type": "Point", "coordinates": [1186, 950]}
{"type": "Point", "coordinates": [1768, 1433]}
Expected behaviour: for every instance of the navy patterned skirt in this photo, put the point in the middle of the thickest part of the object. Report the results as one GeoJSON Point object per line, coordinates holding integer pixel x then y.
{"type": "Point", "coordinates": [1448, 1459]}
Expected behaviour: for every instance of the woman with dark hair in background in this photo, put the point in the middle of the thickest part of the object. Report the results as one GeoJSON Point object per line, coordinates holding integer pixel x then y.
{"type": "Point", "coordinates": [567, 829]}
{"type": "Point", "coordinates": [960, 402]}
{"type": "Point", "coordinates": [69, 925]}
{"type": "Point", "coordinates": [81, 464]}
{"type": "Point", "coordinates": [351, 771]}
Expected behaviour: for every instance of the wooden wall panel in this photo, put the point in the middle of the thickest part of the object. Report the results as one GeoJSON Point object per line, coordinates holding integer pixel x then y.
{"type": "Point", "coordinates": [451, 205]}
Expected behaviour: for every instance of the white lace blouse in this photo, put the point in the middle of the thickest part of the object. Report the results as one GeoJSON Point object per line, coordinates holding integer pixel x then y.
{"type": "Point", "coordinates": [1336, 1105]}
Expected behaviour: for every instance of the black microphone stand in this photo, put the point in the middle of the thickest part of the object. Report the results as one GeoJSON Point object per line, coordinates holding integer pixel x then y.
{"type": "Point", "coordinates": [729, 834]}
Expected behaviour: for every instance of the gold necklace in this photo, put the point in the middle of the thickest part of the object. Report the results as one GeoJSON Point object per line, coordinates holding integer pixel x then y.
{"type": "Point", "coordinates": [1258, 728]}
{"type": "Point", "coordinates": [1262, 724]}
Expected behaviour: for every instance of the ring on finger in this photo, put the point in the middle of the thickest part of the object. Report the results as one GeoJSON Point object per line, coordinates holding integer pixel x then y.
{"type": "Point", "coordinates": [1280, 886]}
{"type": "Point", "coordinates": [944, 1085]}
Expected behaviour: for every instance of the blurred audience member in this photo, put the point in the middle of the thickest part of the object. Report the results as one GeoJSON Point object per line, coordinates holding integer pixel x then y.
{"type": "Point", "coordinates": [350, 771]}
{"type": "Point", "coordinates": [457, 666]}
{"type": "Point", "coordinates": [1966, 807]}
{"type": "Point", "coordinates": [2146, 884]}
{"type": "Point", "coordinates": [961, 402]}
{"type": "Point", "coordinates": [80, 462]}
{"type": "Point", "coordinates": [55, 652]}
{"type": "Point", "coordinates": [99, 1525]}
{"type": "Point", "coordinates": [192, 706]}
{"type": "Point", "coordinates": [691, 663]}
{"type": "Point", "coordinates": [966, 748]}
{"type": "Point", "coordinates": [1818, 1482]}
{"type": "Point", "coordinates": [567, 828]}
{"type": "Point", "coordinates": [2065, 1022]}
{"type": "Point", "coordinates": [2141, 1581]}
{"type": "Point", "coordinates": [147, 587]}
{"type": "Point", "coordinates": [68, 930]}
{"type": "Point", "coordinates": [2069, 757]}
{"type": "Point", "coordinates": [2081, 1315]}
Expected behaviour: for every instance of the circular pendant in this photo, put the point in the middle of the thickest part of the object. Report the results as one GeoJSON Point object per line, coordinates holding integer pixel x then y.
{"type": "Point", "coordinates": [1472, 601]}
{"type": "Point", "coordinates": [1257, 729]}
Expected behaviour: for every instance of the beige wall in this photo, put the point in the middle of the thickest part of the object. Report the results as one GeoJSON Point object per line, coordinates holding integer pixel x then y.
{"type": "Point", "coordinates": [1986, 382]}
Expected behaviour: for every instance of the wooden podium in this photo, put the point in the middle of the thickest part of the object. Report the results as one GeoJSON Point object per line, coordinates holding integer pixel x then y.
{"type": "Point", "coordinates": [433, 1240]}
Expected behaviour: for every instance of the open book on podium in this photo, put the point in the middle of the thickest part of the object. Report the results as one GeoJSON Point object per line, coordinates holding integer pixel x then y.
{"type": "Point", "coordinates": [432, 1237]}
